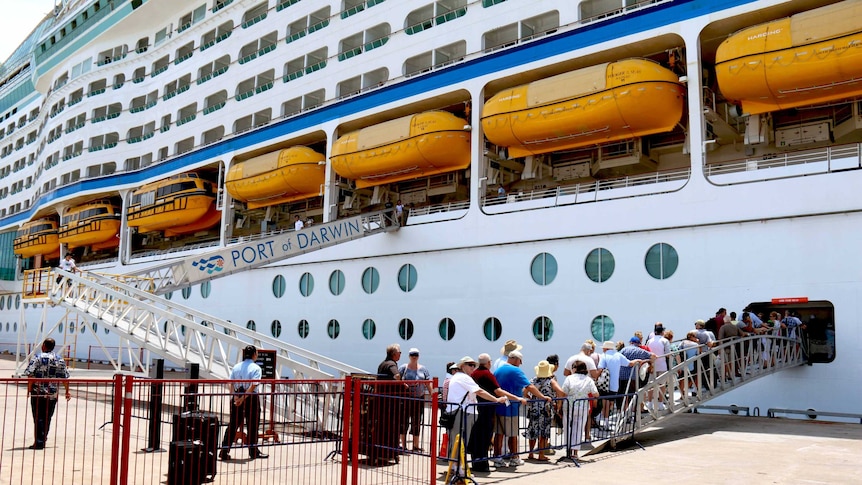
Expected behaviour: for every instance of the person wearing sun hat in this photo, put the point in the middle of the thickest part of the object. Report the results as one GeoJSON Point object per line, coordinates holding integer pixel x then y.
{"type": "Point", "coordinates": [510, 346]}
{"type": "Point", "coordinates": [462, 395]}
{"type": "Point", "coordinates": [541, 413]}
{"type": "Point", "coordinates": [414, 402]}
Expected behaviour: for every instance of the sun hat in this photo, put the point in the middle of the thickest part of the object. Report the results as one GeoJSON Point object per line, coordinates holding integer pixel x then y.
{"type": "Point", "coordinates": [543, 369]}
{"type": "Point", "coordinates": [454, 367]}
{"type": "Point", "coordinates": [609, 345]}
{"type": "Point", "coordinates": [510, 346]}
{"type": "Point", "coordinates": [466, 360]}
{"type": "Point", "coordinates": [516, 355]}
{"type": "Point", "coordinates": [413, 351]}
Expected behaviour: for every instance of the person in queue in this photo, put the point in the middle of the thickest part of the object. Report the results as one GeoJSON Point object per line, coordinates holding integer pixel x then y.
{"type": "Point", "coordinates": [244, 404]}
{"type": "Point", "coordinates": [612, 361]}
{"type": "Point", "coordinates": [45, 364]}
{"type": "Point", "coordinates": [483, 430]}
{"type": "Point", "coordinates": [541, 413]}
{"type": "Point", "coordinates": [577, 388]}
{"type": "Point", "coordinates": [463, 391]}
{"type": "Point", "coordinates": [414, 405]}
{"type": "Point", "coordinates": [389, 407]}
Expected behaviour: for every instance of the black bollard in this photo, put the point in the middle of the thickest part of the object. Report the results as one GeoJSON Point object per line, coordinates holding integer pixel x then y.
{"type": "Point", "coordinates": [154, 429]}
{"type": "Point", "coordinates": [190, 400]}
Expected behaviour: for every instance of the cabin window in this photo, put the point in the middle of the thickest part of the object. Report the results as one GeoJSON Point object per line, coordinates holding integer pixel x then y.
{"type": "Point", "coordinates": [441, 56]}
{"type": "Point", "coordinates": [336, 282]}
{"type": "Point", "coordinates": [302, 328]}
{"type": "Point", "coordinates": [661, 261]}
{"type": "Point", "coordinates": [369, 329]}
{"type": "Point", "coordinates": [446, 329]}
{"type": "Point", "coordinates": [602, 328]}
{"type": "Point", "coordinates": [599, 265]}
{"type": "Point", "coordinates": [543, 269]}
{"type": "Point", "coordinates": [407, 277]}
{"type": "Point", "coordinates": [333, 329]}
{"type": "Point", "coordinates": [187, 292]}
{"type": "Point", "coordinates": [370, 280]}
{"type": "Point", "coordinates": [306, 284]}
{"type": "Point", "coordinates": [492, 328]}
{"type": "Point", "coordinates": [543, 329]}
{"type": "Point", "coordinates": [169, 294]}
{"type": "Point", "coordinates": [275, 328]}
{"type": "Point", "coordinates": [278, 286]}
{"type": "Point", "coordinates": [405, 328]}
{"type": "Point", "coordinates": [206, 288]}
{"type": "Point", "coordinates": [251, 325]}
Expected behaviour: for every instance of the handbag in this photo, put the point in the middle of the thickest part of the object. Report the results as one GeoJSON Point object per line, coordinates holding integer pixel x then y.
{"type": "Point", "coordinates": [603, 382]}
{"type": "Point", "coordinates": [447, 418]}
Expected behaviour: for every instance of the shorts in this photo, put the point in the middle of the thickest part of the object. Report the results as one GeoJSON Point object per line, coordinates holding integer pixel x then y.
{"type": "Point", "coordinates": [507, 425]}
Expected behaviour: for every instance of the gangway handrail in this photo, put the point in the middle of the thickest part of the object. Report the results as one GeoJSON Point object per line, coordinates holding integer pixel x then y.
{"type": "Point", "coordinates": [170, 329]}
{"type": "Point", "coordinates": [813, 413]}
{"type": "Point", "coordinates": [249, 254]}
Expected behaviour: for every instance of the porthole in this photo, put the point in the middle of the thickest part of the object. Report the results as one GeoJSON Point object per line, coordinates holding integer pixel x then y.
{"type": "Point", "coordinates": [205, 323]}
{"type": "Point", "coordinates": [543, 269]}
{"type": "Point", "coordinates": [492, 328]}
{"type": "Point", "coordinates": [183, 330]}
{"type": "Point", "coordinates": [71, 328]}
{"type": "Point", "coordinates": [15, 327]}
{"type": "Point", "coordinates": [369, 329]}
{"type": "Point", "coordinates": [187, 292]}
{"type": "Point", "coordinates": [370, 280]}
{"type": "Point", "coordinates": [333, 329]}
{"type": "Point", "coordinates": [106, 331]}
{"type": "Point", "coordinates": [302, 328]}
{"type": "Point", "coordinates": [60, 328]}
{"type": "Point", "coordinates": [2, 302]}
{"type": "Point", "coordinates": [543, 329]}
{"type": "Point", "coordinates": [206, 288]}
{"type": "Point", "coordinates": [275, 328]}
{"type": "Point", "coordinates": [599, 265]}
{"type": "Point", "coordinates": [306, 284]}
{"type": "Point", "coordinates": [278, 286]}
{"type": "Point", "coordinates": [446, 328]}
{"type": "Point", "coordinates": [336, 282]}
{"type": "Point", "coordinates": [602, 328]}
{"type": "Point", "coordinates": [661, 261]}
{"type": "Point", "coordinates": [95, 327]}
{"type": "Point", "coordinates": [251, 326]}
{"type": "Point", "coordinates": [407, 278]}
{"type": "Point", "coordinates": [17, 301]}
{"type": "Point", "coordinates": [405, 328]}
{"type": "Point", "coordinates": [83, 328]}
{"type": "Point", "coordinates": [169, 295]}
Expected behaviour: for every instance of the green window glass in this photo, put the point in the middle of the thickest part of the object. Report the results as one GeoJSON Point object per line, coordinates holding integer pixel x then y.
{"type": "Point", "coordinates": [306, 284]}
{"type": "Point", "coordinates": [278, 286]}
{"type": "Point", "coordinates": [251, 326]}
{"type": "Point", "coordinates": [543, 269]}
{"type": "Point", "coordinates": [336, 282]}
{"type": "Point", "coordinates": [369, 329]}
{"type": "Point", "coordinates": [492, 328]}
{"type": "Point", "coordinates": [407, 278]}
{"type": "Point", "coordinates": [446, 329]}
{"type": "Point", "coordinates": [187, 292]}
{"type": "Point", "coordinates": [302, 328]}
{"type": "Point", "coordinates": [599, 265]}
{"type": "Point", "coordinates": [602, 329]}
{"type": "Point", "coordinates": [275, 328]}
{"type": "Point", "coordinates": [543, 329]}
{"type": "Point", "coordinates": [661, 261]}
{"type": "Point", "coordinates": [405, 328]}
{"type": "Point", "coordinates": [370, 280]}
{"type": "Point", "coordinates": [169, 295]}
{"type": "Point", "coordinates": [206, 288]}
{"type": "Point", "coordinates": [333, 329]}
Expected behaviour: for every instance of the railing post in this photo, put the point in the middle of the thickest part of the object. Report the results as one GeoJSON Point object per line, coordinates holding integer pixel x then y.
{"type": "Point", "coordinates": [435, 404]}
{"type": "Point", "coordinates": [115, 429]}
{"type": "Point", "coordinates": [347, 435]}
{"type": "Point", "coordinates": [126, 430]}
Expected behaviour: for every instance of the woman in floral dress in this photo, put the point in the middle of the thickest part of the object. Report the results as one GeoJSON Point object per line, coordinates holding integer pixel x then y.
{"type": "Point", "coordinates": [541, 413]}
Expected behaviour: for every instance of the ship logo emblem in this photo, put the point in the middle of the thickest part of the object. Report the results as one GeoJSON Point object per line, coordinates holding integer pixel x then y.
{"type": "Point", "coordinates": [211, 265]}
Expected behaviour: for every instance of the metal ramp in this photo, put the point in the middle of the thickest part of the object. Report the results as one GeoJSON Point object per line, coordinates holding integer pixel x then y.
{"type": "Point", "coordinates": [690, 383]}
{"type": "Point", "coordinates": [256, 252]}
{"type": "Point", "coordinates": [159, 326]}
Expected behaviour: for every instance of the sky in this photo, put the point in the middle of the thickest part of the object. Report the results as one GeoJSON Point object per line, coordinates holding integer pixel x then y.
{"type": "Point", "coordinates": [19, 18]}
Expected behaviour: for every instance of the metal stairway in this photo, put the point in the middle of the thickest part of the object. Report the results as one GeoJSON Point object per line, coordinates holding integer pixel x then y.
{"type": "Point", "coordinates": [714, 372]}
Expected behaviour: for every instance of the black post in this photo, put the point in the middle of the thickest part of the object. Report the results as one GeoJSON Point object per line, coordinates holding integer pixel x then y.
{"type": "Point", "coordinates": [154, 429]}
{"type": "Point", "coordinates": [190, 401]}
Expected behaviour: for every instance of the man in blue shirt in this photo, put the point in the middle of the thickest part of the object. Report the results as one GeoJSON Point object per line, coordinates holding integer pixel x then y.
{"type": "Point", "coordinates": [244, 404]}
{"type": "Point", "coordinates": [513, 380]}
{"type": "Point", "coordinates": [45, 364]}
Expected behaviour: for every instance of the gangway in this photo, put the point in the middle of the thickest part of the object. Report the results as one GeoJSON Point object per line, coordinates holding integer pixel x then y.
{"type": "Point", "coordinates": [692, 382]}
{"type": "Point", "coordinates": [162, 327]}
{"type": "Point", "coordinates": [254, 253]}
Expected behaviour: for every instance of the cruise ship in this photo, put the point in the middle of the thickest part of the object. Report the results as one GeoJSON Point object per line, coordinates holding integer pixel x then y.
{"type": "Point", "coordinates": [567, 170]}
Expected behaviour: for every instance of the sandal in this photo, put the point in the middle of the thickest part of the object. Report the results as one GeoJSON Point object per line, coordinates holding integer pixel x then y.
{"type": "Point", "coordinates": [531, 457]}
{"type": "Point", "coordinates": [543, 458]}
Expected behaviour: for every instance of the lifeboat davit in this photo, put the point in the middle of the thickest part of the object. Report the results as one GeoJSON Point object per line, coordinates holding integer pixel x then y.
{"type": "Point", "coordinates": [37, 237]}
{"type": "Point", "coordinates": [593, 105]}
{"type": "Point", "coordinates": [279, 177]}
{"type": "Point", "coordinates": [418, 145]}
{"type": "Point", "coordinates": [810, 58]}
{"type": "Point", "coordinates": [178, 204]}
{"type": "Point", "coordinates": [95, 224]}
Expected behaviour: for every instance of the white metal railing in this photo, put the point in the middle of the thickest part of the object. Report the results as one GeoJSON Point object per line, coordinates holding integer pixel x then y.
{"type": "Point", "coordinates": [814, 158]}
{"type": "Point", "coordinates": [438, 208]}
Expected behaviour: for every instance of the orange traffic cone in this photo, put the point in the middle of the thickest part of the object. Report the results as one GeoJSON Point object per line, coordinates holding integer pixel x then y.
{"type": "Point", "coordinates": [444, 445]}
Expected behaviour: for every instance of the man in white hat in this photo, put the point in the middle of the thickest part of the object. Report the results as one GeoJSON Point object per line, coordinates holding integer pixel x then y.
{"type": "Point", "coordinates": [462, 395]}
{"type": "Point", "coordinates": [510, 346]}
{"type": "Point", "coordinates": [612, 361]}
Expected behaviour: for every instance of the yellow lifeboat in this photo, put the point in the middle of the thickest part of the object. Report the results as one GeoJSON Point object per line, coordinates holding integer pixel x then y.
{"type": "Point", "coordinates": [812, 57]}
{"type": "Point", "coordinates": [593, 105]}
{"type": "Point", "coordinates": [37, 237]}
{"type": "Point", "coordinates": [279, 177]}
{"type": "Point", "coordinates": [94, 224]}
{"type": "Point", "coordinates": [414, 146]}
{"type": "Point", "coordinates": [178, 204]}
